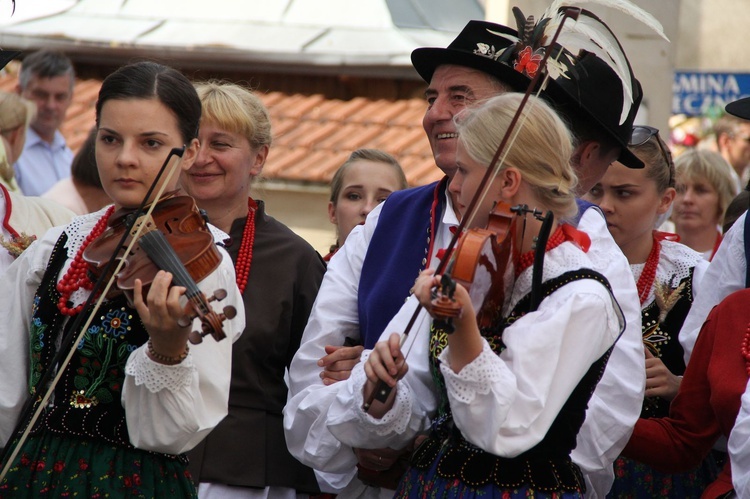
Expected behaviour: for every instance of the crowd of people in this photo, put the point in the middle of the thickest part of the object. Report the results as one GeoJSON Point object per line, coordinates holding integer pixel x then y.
{"type": "Point", "coordinates": [561, 316]}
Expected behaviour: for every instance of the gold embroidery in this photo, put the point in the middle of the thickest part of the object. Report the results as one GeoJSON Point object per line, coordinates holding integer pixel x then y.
{"type": "Point", "coordinates": [666, 298]}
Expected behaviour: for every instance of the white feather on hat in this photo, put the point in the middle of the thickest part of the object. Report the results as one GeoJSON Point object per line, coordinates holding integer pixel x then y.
{"type": "Point", "coordinates": [588, 33]}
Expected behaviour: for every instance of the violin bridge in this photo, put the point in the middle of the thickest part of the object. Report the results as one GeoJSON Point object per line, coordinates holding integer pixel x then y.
{"type": "Point", "coordinates": [146, 221]}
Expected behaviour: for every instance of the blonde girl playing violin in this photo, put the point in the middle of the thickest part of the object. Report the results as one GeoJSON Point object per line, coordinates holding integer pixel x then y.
{"type": "Point", "coordinates": [501, 405]}
{"type": "Point", "coordinates": [134, 397]}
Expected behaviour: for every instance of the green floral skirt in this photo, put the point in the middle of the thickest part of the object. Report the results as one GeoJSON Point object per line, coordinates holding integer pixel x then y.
{"type": "Point", "coordinates": [52, 466]}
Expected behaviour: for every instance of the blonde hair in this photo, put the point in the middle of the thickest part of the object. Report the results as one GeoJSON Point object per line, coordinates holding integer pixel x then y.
{"type": "Point", "coordinates": [236, 109]}
{"type": "Point", "coordinates": [711, 166]}
{"type": "Point", "coordinates": [541, 151]}
{"type": "Point", "coordinates": [15, 111]}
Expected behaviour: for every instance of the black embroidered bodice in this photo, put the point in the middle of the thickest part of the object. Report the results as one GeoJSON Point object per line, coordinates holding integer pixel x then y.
{"type": "Point", "coordinates": [662, 339]}
{"type": "Point", "coordinates": [545, 467]}
{"type": "Point", "coordinates": [86, 401]}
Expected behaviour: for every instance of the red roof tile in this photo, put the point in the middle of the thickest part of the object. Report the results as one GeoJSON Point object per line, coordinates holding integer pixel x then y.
{"type": "Point", "coordinates": [313, 134]}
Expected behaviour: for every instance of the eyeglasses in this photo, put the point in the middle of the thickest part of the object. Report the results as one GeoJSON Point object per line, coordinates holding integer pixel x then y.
{"type": "Point", "coordinates": [642, 134]}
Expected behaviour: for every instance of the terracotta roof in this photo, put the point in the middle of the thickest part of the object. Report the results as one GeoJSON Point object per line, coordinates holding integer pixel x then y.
{"type": "Point", "coordinates": [313, 134]}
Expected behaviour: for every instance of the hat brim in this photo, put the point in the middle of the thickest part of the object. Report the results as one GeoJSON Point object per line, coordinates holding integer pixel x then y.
{"type": "Point", "coordinates": [567, 105]}
{"type": "Point", "coordinates": [427, 60]}
{"type": "Point", "coordinates": [739, 108]}
{"type": "Point", "coordinates": [6, 56]}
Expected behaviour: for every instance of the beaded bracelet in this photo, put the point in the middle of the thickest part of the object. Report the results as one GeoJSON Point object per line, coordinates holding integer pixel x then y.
{"type": "Point", "coordinates": [163, 358]}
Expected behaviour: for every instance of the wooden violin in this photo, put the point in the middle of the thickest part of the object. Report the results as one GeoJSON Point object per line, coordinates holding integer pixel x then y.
{"type": "Point", "coordinates": [174, 238]}
{"type": "Point", "coordinates": [479, 263]}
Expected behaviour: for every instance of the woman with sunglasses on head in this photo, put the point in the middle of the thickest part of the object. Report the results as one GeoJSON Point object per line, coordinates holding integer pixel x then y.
{"type": "Point", "coordinates": [633, 201]}
{"type": "Point", "coordinates": [705, 188]}
{"type": "Point", "coordinates": [134, 397]}
{"type": "Point", "coordinates": [708, 401]}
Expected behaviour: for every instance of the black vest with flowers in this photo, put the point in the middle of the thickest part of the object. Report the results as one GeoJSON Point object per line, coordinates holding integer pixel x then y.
{"type": "Point", "coordinates": [86, 400]}
{"type": "Point", "coordinates": [547, 466]}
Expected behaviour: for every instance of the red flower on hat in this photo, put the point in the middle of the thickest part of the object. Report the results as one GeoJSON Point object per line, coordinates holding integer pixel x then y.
{"type": "Point", "coordinates": [527, 62]}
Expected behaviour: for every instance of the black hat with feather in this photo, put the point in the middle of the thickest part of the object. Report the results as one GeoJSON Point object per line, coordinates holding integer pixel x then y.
{"type": "Point", "coordinates": [590, 77]}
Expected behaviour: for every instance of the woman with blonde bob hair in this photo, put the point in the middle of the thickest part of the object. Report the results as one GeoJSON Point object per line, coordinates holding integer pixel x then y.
{"type": "Point", "coordinates": [705, 188]}
{"type": "Point", "coordinates": [278, 274]}
{"type": "Point", "coordinates": [15, 115]}
{"type": "Point", "coordinates": [502, 402]}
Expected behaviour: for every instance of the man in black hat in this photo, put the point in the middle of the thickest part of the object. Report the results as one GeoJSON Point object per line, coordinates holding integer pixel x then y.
{"type": "Point", "coordinates": [368, 280]}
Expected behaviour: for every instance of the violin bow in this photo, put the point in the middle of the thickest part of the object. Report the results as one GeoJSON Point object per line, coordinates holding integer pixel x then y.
{"type": "Point", "coordinates": [382, 391]}
{"type": "Point", "coordinates": [34, 405]}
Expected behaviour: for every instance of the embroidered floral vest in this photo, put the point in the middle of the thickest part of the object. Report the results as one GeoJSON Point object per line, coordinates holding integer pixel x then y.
{"type": "Point", "coordinates": [660, 336]}
{"type": "Point", "coordinates": [86, 401]}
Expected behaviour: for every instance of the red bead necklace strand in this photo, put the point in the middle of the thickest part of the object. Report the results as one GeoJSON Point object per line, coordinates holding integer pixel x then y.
{"type": "Point", "coordinates": [646, 280]}
{"type": "Point", "coordinates": [245, 254]}
{"type": "Point", "coordinates": [527, 259]}
{"type": "Point", "coordinates": [745, 349]}
{"type": "Point", "coordinates": [77, 275]}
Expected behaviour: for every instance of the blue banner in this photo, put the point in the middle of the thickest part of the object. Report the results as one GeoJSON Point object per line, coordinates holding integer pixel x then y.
{"type": "Point", "coordinates": [698, 93]}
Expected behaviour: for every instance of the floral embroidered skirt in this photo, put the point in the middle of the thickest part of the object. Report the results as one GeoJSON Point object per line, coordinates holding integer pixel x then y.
{"type": "Point", "coordinates": [637, 480]}
{"type": "Point", "coordinates": [54, 466]}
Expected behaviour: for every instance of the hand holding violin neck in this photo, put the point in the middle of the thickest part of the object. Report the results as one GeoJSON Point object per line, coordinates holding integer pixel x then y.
{"type": "Point", "coordinates": [443, 306]}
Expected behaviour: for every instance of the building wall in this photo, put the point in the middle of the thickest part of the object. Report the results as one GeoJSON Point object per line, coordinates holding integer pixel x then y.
{"type": "Point", "coordinates": [302, 209]}
{"type": "Point", "coordinates": [713, 35]}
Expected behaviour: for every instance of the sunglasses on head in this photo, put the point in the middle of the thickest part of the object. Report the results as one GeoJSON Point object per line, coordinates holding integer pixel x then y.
{"type": "Point", "coordinates": [641, 134]}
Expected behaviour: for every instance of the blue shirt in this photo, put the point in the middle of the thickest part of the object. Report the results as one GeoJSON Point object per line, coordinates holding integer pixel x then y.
{"type": "Point", "coordinates": [41, 164]}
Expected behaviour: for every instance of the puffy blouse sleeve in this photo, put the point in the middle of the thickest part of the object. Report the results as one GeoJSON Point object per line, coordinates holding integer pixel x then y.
{"type": "Point", "coordinates": [17, 287]}
{"type": "Point", "coordinates": [170, 409]}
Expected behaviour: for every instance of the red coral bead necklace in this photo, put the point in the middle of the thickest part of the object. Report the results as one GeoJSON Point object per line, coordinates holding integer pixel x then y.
{"type": "Point", "coordinates": [245, 254]}
{"type": "Point", "coordinates": [77, 275]}
{"type": "Point", "coordinates": [648, 276]}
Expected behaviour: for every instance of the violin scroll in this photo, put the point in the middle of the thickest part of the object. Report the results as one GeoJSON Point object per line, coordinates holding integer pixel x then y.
{"type": "Point", "coordinates": [174, 238]}
{"type": "Point", "coordinates": [210, 320]}
{"type": "Point", "coordinates": [444, 307]}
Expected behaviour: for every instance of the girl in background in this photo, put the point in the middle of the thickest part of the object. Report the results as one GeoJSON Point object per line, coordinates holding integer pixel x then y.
{"type": "Point", "coordinates": [365, 179]}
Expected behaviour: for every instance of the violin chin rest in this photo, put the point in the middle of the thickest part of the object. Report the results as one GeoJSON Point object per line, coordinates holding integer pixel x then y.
{"type": "Point", "coordinates": [230, 312]}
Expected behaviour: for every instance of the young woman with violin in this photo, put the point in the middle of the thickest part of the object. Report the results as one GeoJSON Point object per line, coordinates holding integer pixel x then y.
{"type": "Point", "coordinates": [666, 273]}
{"type": "Point", "coordinates": [278, 274]}
{"type": "Point", "coordinates": [134, 397]}
{"type": "Point", "coordinates": [504, 395]}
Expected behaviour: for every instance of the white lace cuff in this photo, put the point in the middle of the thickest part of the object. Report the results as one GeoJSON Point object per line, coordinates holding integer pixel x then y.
{"type": "Point", "coordinates": [394, 421]}
{"type": "Point", "coordinates": [476, 377]}
{"type": "Point", "coordinates": [157, 377]}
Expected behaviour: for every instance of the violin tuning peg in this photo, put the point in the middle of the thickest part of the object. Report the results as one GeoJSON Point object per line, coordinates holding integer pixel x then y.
{"type": "Point", "coordinates": [218, 295]}
{"type": "Point", "coordinates": [195, 338]}
{"type": "Point", "coordinates": [229, 312]}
